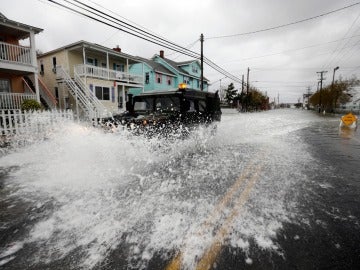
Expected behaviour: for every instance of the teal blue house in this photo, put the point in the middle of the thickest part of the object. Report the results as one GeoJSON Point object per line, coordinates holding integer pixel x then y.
{"type": "Point", "coordinates": [162, 74]}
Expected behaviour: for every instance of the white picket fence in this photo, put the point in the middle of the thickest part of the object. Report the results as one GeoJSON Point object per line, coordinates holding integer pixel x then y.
{"type": "Point", "coordinates": [17, 122]}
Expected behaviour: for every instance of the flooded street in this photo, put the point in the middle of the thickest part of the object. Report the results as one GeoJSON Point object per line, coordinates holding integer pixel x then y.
{"type": "Point", "coordinates": [270, 190]}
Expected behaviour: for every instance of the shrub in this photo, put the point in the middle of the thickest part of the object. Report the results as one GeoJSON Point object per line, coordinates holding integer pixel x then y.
{"type": "Point", "coordinates": [30, 105]}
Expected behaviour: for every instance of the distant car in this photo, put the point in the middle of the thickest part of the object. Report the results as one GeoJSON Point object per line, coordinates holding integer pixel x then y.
{"type": "Point", "coordinates": [165, 113]}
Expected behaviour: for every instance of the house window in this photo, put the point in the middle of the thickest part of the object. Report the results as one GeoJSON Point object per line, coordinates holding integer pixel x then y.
{"type": "Point", "coordinates": [54, 65]}
{"type": "Point", "coordinates": [147, 77]}
{"type": "Point", "coordinates": [102, 93]}
{"type": "Point", "coordinates": [91, 61]}
{"type": "Point", "coordinates": [194, 69]}
{"type": "Point", "coordinates": [158, 77]}
{"type": "Point", "coordinates": [103, 65]}
{"type": "Point", "coordinates": [119, 67]}
{"type": "Point", "coordinates": [186, 80]}
{"type": "Point", "coordinates": [4, 86]}
{"type": "Point", "coordinates": [169, 80]}
{"type": "Point", "coordinates": [42, 69]}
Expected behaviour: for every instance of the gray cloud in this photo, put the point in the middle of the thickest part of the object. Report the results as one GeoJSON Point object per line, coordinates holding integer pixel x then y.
{"type": "Point", "coordinates": [286, 72]}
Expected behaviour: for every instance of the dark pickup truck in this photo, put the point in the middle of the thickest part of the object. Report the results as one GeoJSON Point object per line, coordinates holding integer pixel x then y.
{"type": "Point", "coordinates": [170, 112]}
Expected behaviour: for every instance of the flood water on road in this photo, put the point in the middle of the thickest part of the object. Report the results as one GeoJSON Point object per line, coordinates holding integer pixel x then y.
{"type": "Point", "coordinates": [270, 190]}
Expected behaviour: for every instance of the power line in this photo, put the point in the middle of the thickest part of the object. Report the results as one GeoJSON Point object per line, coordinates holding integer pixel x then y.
{"type": "Point", "coordinates": [291, 50]}
{"type": "Point", "coordinates": [337, 51]}
{"type": "Point", "coordinates": [284, 25]}
{"type": "Point", "coordinates": [104, 18]}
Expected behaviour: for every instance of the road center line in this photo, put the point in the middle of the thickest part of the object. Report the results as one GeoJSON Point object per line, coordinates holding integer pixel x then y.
{"type": "Point", "coordinates": [212, 252]}
{"type": "Point", "coordinates": [176, 262]}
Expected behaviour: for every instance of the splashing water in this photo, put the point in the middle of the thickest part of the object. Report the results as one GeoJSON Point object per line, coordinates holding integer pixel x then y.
{"type": "Point", "coordinates": [91, 192]}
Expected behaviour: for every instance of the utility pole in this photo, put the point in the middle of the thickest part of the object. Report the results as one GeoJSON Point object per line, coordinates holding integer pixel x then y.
{"type": "Point", "coordinates": [202, 62]}
{"type": "Point", "coordinates": [308, 97]}
{"type": "Point", "coordinates": [247, 81]}
{"type": "Point", "coordinates": [320, 80]}
{"type": "Point", "coordinates": [242, 84]}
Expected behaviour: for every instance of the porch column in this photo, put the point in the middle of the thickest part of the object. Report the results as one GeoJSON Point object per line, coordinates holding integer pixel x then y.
{"type": "Point", "coordinates": [34, 64]}
{"type": "Point", "coordinates": [85, 77]}
{"type": "Point", "coordinates": [107, 65]}
{"type": "Point", "coordinates": [143, 76]}
{"type": "Point", "coordinates": [123, 97]}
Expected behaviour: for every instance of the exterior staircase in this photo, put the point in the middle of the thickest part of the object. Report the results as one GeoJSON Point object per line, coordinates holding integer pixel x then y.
{"type": "Point", "coordinates": [90, 105]}
{"type": "Point", "coordinates": [46, 97]}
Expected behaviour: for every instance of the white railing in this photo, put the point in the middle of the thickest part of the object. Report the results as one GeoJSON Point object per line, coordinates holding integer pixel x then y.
{"type": "Point", "coordinates": [17, 122]}
{"type": "Point", "coordinates": [46, 94]}
{"type": "Point", "coordinates": [108, 74]}
{"type": "Point", "coordinates": [15, 53]}
{"type": "Point", "coordinates": [87, 101]}
{"type": "Point", "coordinates": [14, 100]}
{"type": "Point", "coordinates": [92, 99]}
{"type": "Point", "coordinates": [74, 90]}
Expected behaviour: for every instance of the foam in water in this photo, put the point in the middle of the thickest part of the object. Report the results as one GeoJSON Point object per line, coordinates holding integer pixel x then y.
{"type": "Point", "coordinates": [105, 189]}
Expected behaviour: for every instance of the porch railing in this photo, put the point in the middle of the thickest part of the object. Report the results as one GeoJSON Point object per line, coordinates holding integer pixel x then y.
{"type": "Point", "coordinates": [14, 100]}
{"type": "Point", "coordinates": [108, 74]}
{"type": "Point", "coordinates": [15, 53]}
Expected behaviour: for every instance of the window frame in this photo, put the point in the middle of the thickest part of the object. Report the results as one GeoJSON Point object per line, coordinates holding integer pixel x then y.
{"type": "Point", "coordinates": [158, 78]}
{"type": "Point", "coordinates": [8, 84]}
{"type": "Point", "coordinates": [101, 94]}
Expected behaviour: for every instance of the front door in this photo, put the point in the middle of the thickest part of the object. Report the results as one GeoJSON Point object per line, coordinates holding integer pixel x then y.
{"type": "Point", "coordinates": [122, 98]}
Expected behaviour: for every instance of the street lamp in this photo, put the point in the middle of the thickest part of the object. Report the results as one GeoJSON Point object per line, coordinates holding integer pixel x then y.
{"type": "Point", "coordinates": [335, 69]}
{"type": "Point", "coordinates": [332, 86]}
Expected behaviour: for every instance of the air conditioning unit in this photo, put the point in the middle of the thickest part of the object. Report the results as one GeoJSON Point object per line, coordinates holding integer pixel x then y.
{"type": "Point", "coordinates": [54, 69]}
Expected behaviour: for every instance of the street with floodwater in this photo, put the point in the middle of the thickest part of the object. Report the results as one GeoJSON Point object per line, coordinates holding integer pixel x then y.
{"type": "Point", "coordinates": [270, 190]}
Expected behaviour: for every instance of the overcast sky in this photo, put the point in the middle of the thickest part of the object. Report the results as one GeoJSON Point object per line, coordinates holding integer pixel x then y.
{"type": "Point", "coordinates": [282, 62]}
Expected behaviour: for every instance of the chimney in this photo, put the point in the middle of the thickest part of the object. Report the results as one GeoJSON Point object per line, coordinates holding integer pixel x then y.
{"type": "Point", "coordinates": [162, 54]}
{"type": "Point", "coordinates": [117, 49]}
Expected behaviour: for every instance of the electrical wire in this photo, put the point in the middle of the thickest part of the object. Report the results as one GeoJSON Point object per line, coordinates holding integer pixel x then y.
{"type": "Point", "coordinates": [336, 53]}
{"type": "Point", "coordinates": [104, 18]}
{"type": "Point", "coordinates": [283, 25]}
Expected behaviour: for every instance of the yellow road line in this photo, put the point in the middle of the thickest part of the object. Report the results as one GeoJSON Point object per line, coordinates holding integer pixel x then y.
{"type": "Point", "coordinates": [211, 254]}
{"type": "Point", "coordinates": [176, 262]}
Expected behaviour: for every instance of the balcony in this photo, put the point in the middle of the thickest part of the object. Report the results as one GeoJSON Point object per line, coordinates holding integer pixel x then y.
{"type": "Point", "coordinates": [13, 101]}
{"type": "Point", "coordinates": [15, 54]}
{"type": "Point", "coordinates": [108, 74]}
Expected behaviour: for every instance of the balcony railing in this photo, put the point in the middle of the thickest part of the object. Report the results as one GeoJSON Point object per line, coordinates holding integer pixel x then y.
{"type": "Point", "coordinates": [108, 74]}
{"type": "Point", "coordinates": [15, 53]}
{"type": "Point", "coordinates": [14, 100]}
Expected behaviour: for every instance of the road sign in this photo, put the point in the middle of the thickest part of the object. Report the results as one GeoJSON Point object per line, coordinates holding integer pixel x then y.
{"type": "Point", "coordinates": [348, 119]}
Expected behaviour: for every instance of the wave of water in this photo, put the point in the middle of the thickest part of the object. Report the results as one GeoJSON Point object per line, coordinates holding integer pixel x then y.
{"type": "Point", "coordinates": [93, 192]}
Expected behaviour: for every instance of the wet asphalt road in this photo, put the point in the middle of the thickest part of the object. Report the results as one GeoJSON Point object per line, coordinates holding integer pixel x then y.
{"type": "Point", "coordinates": [320, 230]}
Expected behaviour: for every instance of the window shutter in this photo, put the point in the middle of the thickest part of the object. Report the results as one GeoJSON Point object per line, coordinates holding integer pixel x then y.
{"type": "Point", "coordinates": [113, 94]}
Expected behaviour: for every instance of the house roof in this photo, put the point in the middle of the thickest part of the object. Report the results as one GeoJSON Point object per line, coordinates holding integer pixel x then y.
{"type": "Point", "coordinates": [156, 66]}
{"type": "Point", "coordinates": [173, 64]}
{"type": "Point", "coordinates": [15, 28]}
{"type": "Point", "coordinates": [177, 65]}
{"type": "Point", "coordinates": [183, 63]}
{"type": "Point", "coordinates": [86, 44]}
